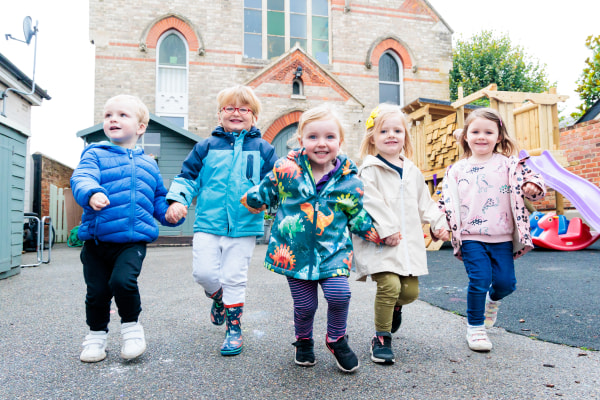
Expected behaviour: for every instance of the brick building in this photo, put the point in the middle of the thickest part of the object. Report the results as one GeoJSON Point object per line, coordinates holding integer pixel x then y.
{"type": "Point", "coordinates": [176, 56]}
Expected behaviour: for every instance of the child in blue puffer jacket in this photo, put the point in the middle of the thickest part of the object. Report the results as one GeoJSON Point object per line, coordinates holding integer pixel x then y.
{"type": "Point", "coordinates": [218, 171]}
{"type": "Point", "coordinates": [121, 192]}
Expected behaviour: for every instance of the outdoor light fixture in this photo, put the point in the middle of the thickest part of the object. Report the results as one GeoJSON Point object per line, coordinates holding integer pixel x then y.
{"type": "Point", "coordinates": [298, 71]}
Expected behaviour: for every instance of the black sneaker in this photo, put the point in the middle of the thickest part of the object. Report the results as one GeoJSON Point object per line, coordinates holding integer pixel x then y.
{"type": "Point", "coordinates": [381, 348]}
{"type": "Point", "coordinates": [344, 356]}
{"type": "Point", "coordinates": [305, 355]}
{"type": "Point", "coordinates": [397, 318]}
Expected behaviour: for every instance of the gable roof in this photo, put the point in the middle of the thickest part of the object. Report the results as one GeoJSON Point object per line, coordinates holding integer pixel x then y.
{"type": "Point", "coordinates": [21, 77]}
{"type": "Point", "coordinates": [592, 113]}
{"type": "Point", "coordinates": [437, 15]}
{"type": "Point", "coordinates": [153, 118]}
{"type": "Point", "coordinates": [282, 70]}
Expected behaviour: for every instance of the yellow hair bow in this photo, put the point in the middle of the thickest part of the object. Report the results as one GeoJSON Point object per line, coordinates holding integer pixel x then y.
{"type": "Point", "coordinates": [371, 120]}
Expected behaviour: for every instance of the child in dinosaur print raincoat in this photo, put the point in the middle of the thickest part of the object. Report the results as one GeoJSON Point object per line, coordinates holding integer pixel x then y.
{"type": "Point", "coordinates": [319, 202]}
{"type": "Point", "coordinates": [301, 246]}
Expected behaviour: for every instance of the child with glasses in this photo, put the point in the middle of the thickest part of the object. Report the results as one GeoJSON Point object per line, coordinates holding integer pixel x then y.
{"type": "Point", "coordinates": [218, 171]}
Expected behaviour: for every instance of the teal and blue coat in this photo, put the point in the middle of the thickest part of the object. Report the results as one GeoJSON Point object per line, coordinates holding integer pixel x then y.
{"type": "Point", "coordinates": [218, 171]}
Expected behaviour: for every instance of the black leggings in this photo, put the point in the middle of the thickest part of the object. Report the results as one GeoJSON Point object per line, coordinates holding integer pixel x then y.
{"type": "Point", "coordinates": [111, 270]}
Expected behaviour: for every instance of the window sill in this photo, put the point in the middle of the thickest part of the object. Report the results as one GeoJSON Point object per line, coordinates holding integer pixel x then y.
{"type": "Point", "coordinates": [298, 97]}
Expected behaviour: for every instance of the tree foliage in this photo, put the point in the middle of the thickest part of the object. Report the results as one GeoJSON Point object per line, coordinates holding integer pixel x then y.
{"type": "Point", "coordinates": [484, 59]}
{"type": "Point", "coordinates": [588, 85]}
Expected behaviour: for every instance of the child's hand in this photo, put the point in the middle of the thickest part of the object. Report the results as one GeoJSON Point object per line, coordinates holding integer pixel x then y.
{"type": "Point", "coordinates": [393, 240]}
{"type": "Point", "coordinates": [442, 234]}
{"type": "Point", "coordinates": [175, 212]}
{"type": "Point", "coordinates": [98, 201]}
{"type": "Point", "coordinates": [531, 189]}
{"type": "Point", "coordinates": [244, 201]}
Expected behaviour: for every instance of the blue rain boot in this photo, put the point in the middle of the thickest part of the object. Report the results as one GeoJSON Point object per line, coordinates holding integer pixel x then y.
{"type": "Point", "coordinates": [217, 311]}
{"type": "Point", "coordinates": [233, 343]}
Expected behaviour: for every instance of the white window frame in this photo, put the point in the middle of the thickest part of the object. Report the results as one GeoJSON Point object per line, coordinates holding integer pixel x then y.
{"type": "Point", "coordinates": [287, 39]}
{"type": "Point", "coordinates": [184, 113]}
{"type": "Point", "coordinates": [400, 82]}
{"type": "Point", "coordinates": [142, 142]}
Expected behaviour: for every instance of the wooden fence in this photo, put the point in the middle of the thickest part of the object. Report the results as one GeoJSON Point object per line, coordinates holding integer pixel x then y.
{"type": "Point", "coordinates": [58, 214]}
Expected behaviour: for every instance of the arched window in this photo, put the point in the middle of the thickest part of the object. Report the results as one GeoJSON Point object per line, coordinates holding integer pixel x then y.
{"type": "Point", "coordinates": [297, 87]}
{"type": "Point", "coordinates": [390, 79]}
{"type": "Point", "coordinates": [172, 78]}
{"type": "Point", "coordinates": [285, 140]}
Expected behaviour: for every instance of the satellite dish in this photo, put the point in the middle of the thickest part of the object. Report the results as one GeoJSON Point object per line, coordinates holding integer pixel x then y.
{"type": "Point", "coordinates": [27, 31]}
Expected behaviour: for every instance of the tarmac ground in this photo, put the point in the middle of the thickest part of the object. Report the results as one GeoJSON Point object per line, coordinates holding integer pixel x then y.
{"type": "Point", "coordinates": [42, 326]}
{"type": "Point", "coordinates": [557, 297]}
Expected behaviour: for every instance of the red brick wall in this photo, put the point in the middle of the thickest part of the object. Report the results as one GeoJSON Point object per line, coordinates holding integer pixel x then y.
{"type": "Point", "coordinates": [581, 144]}
{"type": "Point", "coordinates": [56, 174]}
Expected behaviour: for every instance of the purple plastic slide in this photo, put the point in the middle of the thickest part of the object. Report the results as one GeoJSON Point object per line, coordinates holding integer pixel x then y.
{"type": "Point", "coordinates": [584, 195]}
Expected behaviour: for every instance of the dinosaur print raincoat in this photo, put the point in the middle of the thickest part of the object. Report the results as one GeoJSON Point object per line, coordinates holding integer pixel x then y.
{"type": "Point", "coordinates": [310, 237]}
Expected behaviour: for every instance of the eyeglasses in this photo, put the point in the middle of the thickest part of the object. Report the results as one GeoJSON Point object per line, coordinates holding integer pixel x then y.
{"type": "Point", "coordinates": [241, 110]}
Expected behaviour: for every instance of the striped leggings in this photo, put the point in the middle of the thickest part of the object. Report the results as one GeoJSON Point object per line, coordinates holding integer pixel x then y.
{"type": "Point", "coordinates": [304, 294]}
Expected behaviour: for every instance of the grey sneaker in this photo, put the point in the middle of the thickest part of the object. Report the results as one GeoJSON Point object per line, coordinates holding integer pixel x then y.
{"type": "Point", "coordinates": [381, 348]}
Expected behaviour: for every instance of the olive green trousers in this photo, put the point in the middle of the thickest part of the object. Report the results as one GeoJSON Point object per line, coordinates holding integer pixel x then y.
{"type": "Point", "coordinates": [392, 290]}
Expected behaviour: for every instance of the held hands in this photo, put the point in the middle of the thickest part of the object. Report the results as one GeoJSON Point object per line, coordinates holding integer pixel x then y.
{"type": "Point", "coordinates": [98, 201]}
{"type": "Point", "coordinates": [531, 189]}
{"type": "Point", "coordinates": [442, 234]}
{"type": "Point", "coordinates": [393, 240]}
{"type": "Point", "coordinates": [175, 212]}
{"type": "Point", "coordinates": [244, 201]}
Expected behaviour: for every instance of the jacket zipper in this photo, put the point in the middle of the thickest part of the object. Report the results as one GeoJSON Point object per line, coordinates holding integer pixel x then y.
{"type": "Point", "coordinates": [132, 194]}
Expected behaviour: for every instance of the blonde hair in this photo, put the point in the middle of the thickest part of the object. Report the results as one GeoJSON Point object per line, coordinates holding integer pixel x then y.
{"type": "Point", "coordinates": [374, 123]}
{"type": "Point", "coordinates": [506, 146]}
{"type": "Point", "coordinates": [142, 113]}
{"type": "Point", "coordinates": [319, 113]}
{"type": "Point", "coordinates": [239, 94]}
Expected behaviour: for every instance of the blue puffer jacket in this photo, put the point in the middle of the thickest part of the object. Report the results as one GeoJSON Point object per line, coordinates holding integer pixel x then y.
{"type": "Point", "coordinates": [219, 170]}
{"type": "Point", "coordinates": [134, 187]}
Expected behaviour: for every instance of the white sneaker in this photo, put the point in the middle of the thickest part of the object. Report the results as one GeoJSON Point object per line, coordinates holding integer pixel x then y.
{"type": "Point", "coordinates": [134, 343]}
{"type": "Point", "coordinates": [94, 347]}
{"type": "Point", "coordinates": [491, 311]}
{"type": "Point", "coordinates": [478, 339]}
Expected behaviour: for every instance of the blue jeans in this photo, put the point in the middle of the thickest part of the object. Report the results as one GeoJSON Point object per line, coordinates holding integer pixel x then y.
{"type": "Point", "coordinates": [490, 267]}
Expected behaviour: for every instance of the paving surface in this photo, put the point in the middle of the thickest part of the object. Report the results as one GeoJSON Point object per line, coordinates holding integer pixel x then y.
{"type": "Point", "coordinates": [557, 297]}
{"type": "Point", "coordinates": [42, 327]}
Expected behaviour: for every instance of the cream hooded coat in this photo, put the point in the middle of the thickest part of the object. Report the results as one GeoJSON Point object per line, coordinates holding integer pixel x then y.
{"type": "Point", "coordinates": [396, 206]}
